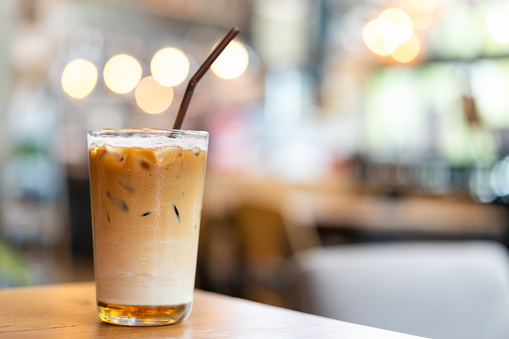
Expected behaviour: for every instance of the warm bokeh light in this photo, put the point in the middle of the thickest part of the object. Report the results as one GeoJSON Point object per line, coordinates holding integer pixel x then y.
{"type": "Point", "coordinates": [374, 39]}
{"type": "Point", "coordinates": [232, 62]}
{"type": "Point", "coordinates": [421, 17]}
{"type": "Point", "coordinates": [408, 51]}
{"type": "Point", "coordinates": [497, 23]}
{"type": "Point", "coordinates": [426, 5]}
{"type": "Point", "coordinates": [79, 78]}
{"type": "Point", "coordinates": [392, 33]}
{"type": "Point", "coordinates": [169, 66]}
{"type": "Point", "coordinates": [122, 73]}
{"type": "Point", "coordinates": [395, 26]}
{"type": "Point", "coordinates": [152, 97]}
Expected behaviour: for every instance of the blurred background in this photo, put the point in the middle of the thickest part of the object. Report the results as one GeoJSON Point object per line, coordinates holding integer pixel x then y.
{"type": "Point", "coordinates": [338, 128]}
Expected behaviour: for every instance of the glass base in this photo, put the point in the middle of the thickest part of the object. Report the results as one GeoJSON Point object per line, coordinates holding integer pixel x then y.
{"type": "Point", "coordinates": [142, 315]}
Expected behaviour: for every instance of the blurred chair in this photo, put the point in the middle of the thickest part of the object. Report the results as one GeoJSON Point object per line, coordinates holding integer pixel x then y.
{"type": "Point", "coordinates": [269, 236]}
{"type": "Point", "coordinates": [435, 289]}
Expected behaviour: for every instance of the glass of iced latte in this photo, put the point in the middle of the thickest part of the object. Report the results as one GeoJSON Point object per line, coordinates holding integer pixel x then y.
{"type": "Point", "coordinates": [146, 189]}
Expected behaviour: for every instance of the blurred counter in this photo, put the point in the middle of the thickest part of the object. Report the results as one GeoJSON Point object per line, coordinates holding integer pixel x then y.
{"type": "Point", "coordinates": [336, 205]}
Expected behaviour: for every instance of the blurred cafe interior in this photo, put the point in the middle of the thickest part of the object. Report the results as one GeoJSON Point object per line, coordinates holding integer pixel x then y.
{"type": "Point", "coordinates": [358, 164]}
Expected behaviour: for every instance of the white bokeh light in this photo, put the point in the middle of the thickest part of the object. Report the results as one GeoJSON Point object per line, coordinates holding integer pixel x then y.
{"type": "Point", "coordinates": [232, 62]}
{"type": "Point", "coordinates": [152, 97]}
{"type": "Point", "coordinates": [122, 73]}
{"type": "Point", "coordinates": [79, 78]}
{"type": "Point", "coordinates": [169, 66]}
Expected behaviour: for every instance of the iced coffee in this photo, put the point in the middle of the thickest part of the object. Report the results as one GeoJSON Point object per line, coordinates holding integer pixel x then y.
{"type": "Point", "coordinates": [146, 191]}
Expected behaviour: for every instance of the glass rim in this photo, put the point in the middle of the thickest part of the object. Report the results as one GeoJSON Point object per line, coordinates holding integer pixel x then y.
{"type": "Point", "coordinates": [119, 132]}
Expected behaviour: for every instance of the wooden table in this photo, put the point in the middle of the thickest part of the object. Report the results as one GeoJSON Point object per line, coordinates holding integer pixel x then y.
{"type": "Point", "coordinates": [68, 311]}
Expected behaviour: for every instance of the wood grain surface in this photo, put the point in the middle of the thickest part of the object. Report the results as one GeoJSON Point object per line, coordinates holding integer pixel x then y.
{"type": "Point", "coordinates": [68, 311]}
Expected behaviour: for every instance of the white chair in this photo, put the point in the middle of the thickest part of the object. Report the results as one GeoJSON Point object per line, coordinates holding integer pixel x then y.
{"type": "Point", "coordinates": [431, 289]}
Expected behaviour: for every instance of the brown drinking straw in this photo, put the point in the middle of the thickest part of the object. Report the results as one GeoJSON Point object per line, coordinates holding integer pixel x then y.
{"type": "Point", "coordinates": [200, 73]}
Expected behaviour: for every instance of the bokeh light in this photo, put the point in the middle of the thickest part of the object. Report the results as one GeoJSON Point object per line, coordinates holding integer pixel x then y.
{"type": "Point", "coordinates": [169, 66]}
{"type": "Point", "coordinates": [232, 62]}
{"type": "Point", "coordinates": [390, 29]}
{"type": "Point", "coordinates": [426, 5]}
{"type": "Point", "coordinates": [79, 78]}
{"type": "Point", "coordinates": [421, 15]}
{"type": "Point", "coordinates": [152, 97]}
{"type": "Point", "coordinates": [395, 26]}
{"type": "Point", "coordinates": [497, 23]}
{"type": "Point", "coordinates": [407, 51]}
{"type": "Point", "coordinates": [374, 39]}
{"type": "Point", "coordinates": [122, 73]}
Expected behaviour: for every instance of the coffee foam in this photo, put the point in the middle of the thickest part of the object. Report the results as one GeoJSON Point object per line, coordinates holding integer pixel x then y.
{"type": "Point", "coordinates": [146, 143]}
